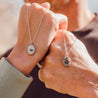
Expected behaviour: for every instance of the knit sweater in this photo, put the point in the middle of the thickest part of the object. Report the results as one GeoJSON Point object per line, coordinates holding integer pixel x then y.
{"type": "Point", "coordinates": [12, 82]}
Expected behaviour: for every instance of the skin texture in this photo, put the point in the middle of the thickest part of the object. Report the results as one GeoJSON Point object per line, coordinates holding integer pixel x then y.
{"type": "Point", "coordinates": [79, 76]}
{"type": "Point", "coordinates": [82, 74]}
{"type": "Point", "coordinates": [50, 25]}
{"type": "Point", "coordinates": [76, 9]}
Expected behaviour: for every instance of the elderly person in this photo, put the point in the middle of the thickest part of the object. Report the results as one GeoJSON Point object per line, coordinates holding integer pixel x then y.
{"type": "Point", "coordinates": [79, 78]}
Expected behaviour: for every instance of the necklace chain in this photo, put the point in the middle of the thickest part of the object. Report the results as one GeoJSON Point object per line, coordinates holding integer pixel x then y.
{"type": "Point", "coordinates": [67, 51]}
{"type": "Point", "coordinates": [66, 59]}
{"type": "Point", "coordinates": [65, 45]}
{"type": "Point", "coordinates": [31, 48]}
{"type": "Point", "coordinates": [37, 30]}
{"type": "Point", "coordinates": [29, 25]}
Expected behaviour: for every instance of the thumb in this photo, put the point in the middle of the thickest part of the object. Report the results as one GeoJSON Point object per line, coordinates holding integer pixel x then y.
{"type": "Point", "coordinates": [63, 34]}
{"type": "Point", "coordinates": [46, 5]}
{"type": "Point", "coordinates": [60, 36]}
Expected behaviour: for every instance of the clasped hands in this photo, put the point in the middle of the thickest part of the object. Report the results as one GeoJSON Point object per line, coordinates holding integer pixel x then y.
{"type": "Point", "coordinates": [82, 72]}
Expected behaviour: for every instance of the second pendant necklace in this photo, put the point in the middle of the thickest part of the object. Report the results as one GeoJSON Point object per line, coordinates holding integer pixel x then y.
{"type": "Point", "coordinates": [67, 59]}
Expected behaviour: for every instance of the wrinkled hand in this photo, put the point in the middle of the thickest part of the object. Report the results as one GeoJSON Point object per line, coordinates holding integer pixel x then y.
{"type": "Point", "coordinates": [79, 77]}
{"type": "Point", "coordinates": [50, 25]}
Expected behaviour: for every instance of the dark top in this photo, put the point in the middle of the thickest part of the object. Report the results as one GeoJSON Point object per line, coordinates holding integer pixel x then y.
{"type": "Point", "coordinates": [89, 36]}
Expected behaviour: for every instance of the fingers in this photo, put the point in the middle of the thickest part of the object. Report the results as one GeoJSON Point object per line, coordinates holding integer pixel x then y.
{"type": "Point", "coordinates": [59, 20]}
{"type": "Point", "coordinates": [63, 21]}
{"type": "Point", "coordinates": [25, 6]}
{"type": "Point", "coordinates": [40, 75]}
{"type": "Point", "coordinates": [46, 5]}
{"type": "Point", "coordinates": [58, 45]}
{"type": "Point", "coordinates": [70, 38]}
{"type": "Point", "coordinates": [61, 34]}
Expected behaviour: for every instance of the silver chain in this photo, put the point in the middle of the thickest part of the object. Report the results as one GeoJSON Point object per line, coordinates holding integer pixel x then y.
{"type": "Point", "coordinates": [37, 30]}
{"type": "Point", "coordinates": [67, 51]}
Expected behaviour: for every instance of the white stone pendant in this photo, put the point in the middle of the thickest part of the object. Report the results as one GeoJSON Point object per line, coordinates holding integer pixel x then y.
{"type": "Point", "coordinates": [66, 61]}
{"type": "Point", "coordinates": [31, 49]}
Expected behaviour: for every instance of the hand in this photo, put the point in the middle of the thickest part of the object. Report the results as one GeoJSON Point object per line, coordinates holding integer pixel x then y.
{"type": "Point", "coordinates": [80, 78]}
{"type": "Point", "coordinates": [50, 25]}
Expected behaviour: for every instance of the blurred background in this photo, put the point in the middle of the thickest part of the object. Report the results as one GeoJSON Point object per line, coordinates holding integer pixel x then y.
{"type": "Point", "coordinates": [9, 13]}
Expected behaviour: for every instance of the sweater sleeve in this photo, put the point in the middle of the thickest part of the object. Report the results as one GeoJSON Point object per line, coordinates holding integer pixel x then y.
{"type": "Point", "coordinates": [13, 83]}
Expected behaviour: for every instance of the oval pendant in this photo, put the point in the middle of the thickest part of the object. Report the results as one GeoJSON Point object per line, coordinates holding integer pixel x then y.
{"type": "Point", "coordinates": [66, 61]}
{"type": "Point", "coordinates": [31, 49]}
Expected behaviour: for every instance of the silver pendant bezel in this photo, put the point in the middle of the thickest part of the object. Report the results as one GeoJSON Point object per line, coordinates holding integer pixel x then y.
{"type": "Point", "coordinates": [31, 46]}
{"type": "Point", "coordinates": [66, 61]}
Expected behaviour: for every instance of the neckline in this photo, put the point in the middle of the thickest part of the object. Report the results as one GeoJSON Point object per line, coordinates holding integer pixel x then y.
{"type": "Point", "coordinates": [87, 29]}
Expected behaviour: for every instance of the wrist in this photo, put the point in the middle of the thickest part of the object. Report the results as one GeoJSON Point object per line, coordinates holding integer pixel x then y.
{"type": "Point", "coordinates": [88, 92]}
{"type": "Point", "coordinates": [22, 61]}
{"type": "Point", "coordinates": [90, 89]}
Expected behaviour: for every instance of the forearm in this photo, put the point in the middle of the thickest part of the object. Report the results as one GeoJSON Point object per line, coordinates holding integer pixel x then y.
{"type": "Point", "coordinates": [22, 61]}
{"type": "Point", "coordinates": [13, 83]}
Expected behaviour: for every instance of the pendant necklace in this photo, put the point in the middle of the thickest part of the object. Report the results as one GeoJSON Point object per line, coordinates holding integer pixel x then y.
{"type": "Point", "coordinates": [67, 59]}
{"type": "Point", "coordinates": [31, 48]}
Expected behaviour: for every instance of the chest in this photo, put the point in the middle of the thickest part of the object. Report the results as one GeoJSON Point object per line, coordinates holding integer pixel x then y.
{"type": "Point", "coordinates": [91, 42]}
